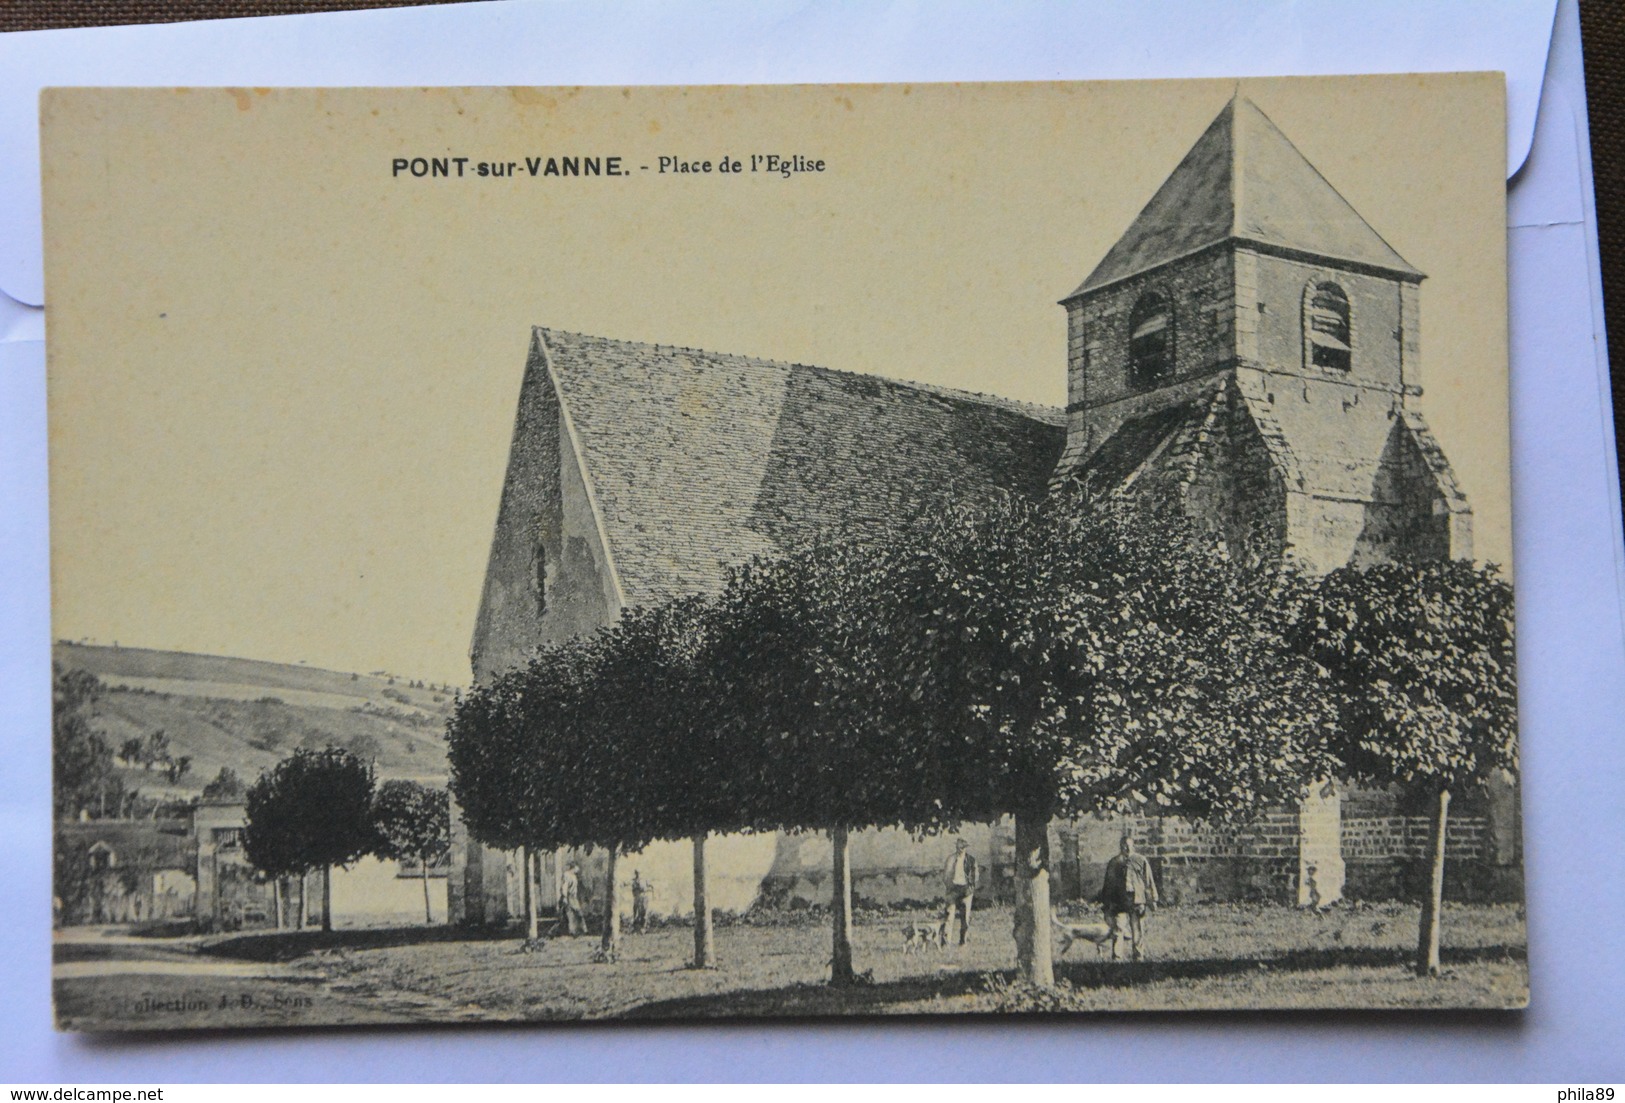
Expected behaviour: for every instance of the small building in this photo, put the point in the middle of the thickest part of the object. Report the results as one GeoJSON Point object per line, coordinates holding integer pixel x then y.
{"type": "Point", "coordinates": [123, 872]}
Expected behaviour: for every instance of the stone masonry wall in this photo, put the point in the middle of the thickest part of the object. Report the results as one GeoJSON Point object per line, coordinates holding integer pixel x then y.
{"type": "Point", "coordinates": [1408, 519]}
{"type": "Point", "coordinates": [1276, 298]}
{"type": "Point", "coordinates": [1232, 487]}
{"type": "Point", "coordinates": [1203, 307]}
{"type": "Point", "coordinates": [1387, 857]}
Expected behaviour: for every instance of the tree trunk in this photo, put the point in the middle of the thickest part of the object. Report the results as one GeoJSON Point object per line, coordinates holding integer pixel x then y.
{"type": "Point", "coordinates": [536, 887]}
{"type": "Point", "coordinates": [704, 946]}
{"type": "Point", "coordinates": [1031, 874]}
{"type": "Point", "coordinates": [528, 879]}
{"type": "Point", "coordinates": [423, 871]}
{"type": "Point", "coordinates": [1427, 946]}
{"type": "Point", "coordinates": [304, 895]}
{"type": "Point", "coordinates": [611, 944]}
{"type": "Point", "coordinates": [840, 958]}
{"type": "Point", "coordinates": [276, 893]}
{"type": "Point", "coordinates": [327, 898]}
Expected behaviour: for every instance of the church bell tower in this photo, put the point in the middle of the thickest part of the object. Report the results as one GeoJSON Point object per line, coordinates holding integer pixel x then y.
{"type": "Point", "coordinates": [1252, 346]}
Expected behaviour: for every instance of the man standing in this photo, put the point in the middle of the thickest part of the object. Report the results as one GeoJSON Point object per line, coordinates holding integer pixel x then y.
{"type": "Point", "coordinates": [1130, 889]}
{"type": "Point", "coordinates": [640, 902]}
{"type": "Point", "coordinates": [570, 900]}
{"type": "Point", "coordinates": [959, 888]}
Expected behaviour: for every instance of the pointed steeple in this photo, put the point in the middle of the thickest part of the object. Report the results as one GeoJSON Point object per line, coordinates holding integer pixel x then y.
{"type": "Point", "coordinates": [1244, 180]}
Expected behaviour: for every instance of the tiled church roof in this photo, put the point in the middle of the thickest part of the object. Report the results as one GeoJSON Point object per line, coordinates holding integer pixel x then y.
{"type": "Point", "coordinates": [1244, 180]}
{"type": "Point", "coordinates": [699, 460]}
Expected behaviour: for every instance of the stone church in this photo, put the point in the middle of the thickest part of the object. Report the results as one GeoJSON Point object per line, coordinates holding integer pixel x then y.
{"type": "Point", "coordinates": [1250, 346]}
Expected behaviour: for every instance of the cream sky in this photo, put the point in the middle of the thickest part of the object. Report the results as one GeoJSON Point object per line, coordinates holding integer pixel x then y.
{"type": "Point", "coordinates": [282, 379]}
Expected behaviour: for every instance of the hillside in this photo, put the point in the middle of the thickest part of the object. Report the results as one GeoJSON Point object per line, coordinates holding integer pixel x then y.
{"type": "Point", "coordinates": [248, 715]}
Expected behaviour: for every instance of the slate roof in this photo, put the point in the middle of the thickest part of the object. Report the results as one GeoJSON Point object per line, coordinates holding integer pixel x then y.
{"type": "Point", "coordinates": [1244, 180]}
{"type": "Point", "coordinates": [1158, 444]}
{"type": "Point", "coordinates": [699, 460]}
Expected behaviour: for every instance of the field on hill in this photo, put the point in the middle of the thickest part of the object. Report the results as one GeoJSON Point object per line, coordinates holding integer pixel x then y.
{"type": "Point", "coordinates": [247, 715]}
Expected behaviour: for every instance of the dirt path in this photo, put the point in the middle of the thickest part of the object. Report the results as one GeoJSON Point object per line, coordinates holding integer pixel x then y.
{"type": "Point", "coordinates": [107, 979]}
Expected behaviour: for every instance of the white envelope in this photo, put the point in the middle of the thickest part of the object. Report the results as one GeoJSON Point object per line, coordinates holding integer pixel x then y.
{"type": "Point", "coordinates": [1567, 528]}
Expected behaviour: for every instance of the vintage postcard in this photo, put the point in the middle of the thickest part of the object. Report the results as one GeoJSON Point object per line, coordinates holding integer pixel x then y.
{"type": "Point", "coordinates": [544, 553]}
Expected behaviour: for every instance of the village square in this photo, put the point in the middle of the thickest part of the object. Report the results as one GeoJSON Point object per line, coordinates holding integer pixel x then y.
{"type": "Point", "coordinates": [801, 692]}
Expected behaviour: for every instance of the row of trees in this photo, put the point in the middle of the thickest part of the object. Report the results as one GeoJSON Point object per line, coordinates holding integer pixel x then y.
{"type": "Point", "coordinates": [320, 808]}
{"type": "Point", "coordinates": [1030, 660]}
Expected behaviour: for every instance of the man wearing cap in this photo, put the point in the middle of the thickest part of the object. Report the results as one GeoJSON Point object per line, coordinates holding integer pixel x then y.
{"type": "Point", "coordinates": [1130, 889]}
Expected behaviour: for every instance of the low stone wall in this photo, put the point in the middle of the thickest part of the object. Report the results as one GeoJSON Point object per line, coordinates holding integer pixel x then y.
{"type": "Point", "coordinates": [1195, 863]}
{"type": "Point", "coordinates": [1286, 857]}
{"type": "Point", "coordinates": [1368, 838]}
{"type": "Point", "coordinates": [1388, 857]}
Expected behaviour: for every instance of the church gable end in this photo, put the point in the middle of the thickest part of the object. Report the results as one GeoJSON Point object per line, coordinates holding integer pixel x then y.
{"type": "Point", "coordinates": [548, 577]}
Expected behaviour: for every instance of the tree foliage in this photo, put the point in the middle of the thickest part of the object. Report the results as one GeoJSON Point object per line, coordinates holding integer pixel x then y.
{"type": "Point", "coordinates": [1068, 656]}
{"type": "Point", "coordinates": [310, 811]}
{"type": "Point", "coordinates": [413, 822]}
{"type": "Point", "coordinates": [225, 786]}
{"type": "Point", "coordinates": [1063, 657]}
{"type": "Point", "coordinates": [808, 686]}
{"type": "Point", "coordinates": [524, 767]}
{"type": "Point", "coordinates": [1035, 659]}
{"type": "Point", "coordinates": [82, 774]}
{"type": "Point", "coordinates": [1421, 657]}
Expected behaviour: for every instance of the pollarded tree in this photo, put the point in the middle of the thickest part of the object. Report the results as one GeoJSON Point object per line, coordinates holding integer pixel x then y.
{"type": "Point", "coordinates": [413, 823]}
{"type": "Point", "coordinates": [540, 759]}
{"type": "Point", "coordinates": [809, 669]}
{"type": "Point", "coordinates": [656, 675]}
{"type": "Point", "coordinates": [1422, 660]}
{"type": "Point", "coordinates": [311, 811]}
{"type": "Point", "coordinates": [1074, 657]}
{"type": "Point", "coordinates": [490, 751]}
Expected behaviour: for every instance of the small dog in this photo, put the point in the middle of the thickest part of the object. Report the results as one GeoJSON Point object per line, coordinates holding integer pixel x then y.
{"type": "Point", "coordinates": [918, 937]}
{"type": "Point", "coordinates": [1096, 931]}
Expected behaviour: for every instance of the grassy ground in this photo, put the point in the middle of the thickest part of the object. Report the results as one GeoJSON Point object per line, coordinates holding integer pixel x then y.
{"type": "Point", "coordinates": [1207, 957]}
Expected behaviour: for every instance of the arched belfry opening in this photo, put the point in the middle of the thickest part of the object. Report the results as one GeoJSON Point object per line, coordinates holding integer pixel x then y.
{"type": "Point", "coordinates": [1327, 336]}
{"type": "Point", "coordinates": [1151, 341]}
